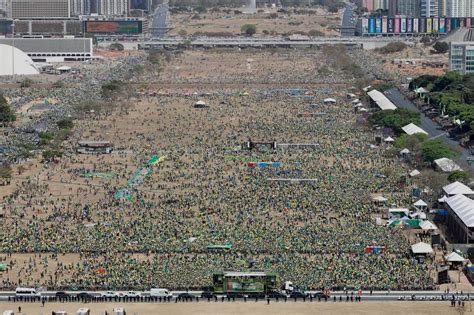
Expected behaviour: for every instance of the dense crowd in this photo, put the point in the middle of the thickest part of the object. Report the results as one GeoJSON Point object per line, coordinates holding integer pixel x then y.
{"type": "Point", "coordinates": [312, 233]}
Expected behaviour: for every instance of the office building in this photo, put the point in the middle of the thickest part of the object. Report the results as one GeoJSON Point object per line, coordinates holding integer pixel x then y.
{"type": "Point", "coordinates": [461, 57]}
{"type": "Point", "coordinates": [4, 9]}
{"type": "Point", "coordinates": [140, 5]}
{"type": "Point", "coordinates": [408, 8]}
{"type": "Point", "coordinates": [459, 8]}
{"type": "Point", "coordinates": [40, 9]}
{"type": "Point", "coordinates": [80, 7]}
{"type": "Point", "coordinates": [113, 7]}
{"type": "Point", "coordinates": [429, 8]}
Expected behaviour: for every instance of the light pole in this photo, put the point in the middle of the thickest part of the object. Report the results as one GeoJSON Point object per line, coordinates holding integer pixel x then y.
{"type": "Point", "coordinates": [13, 50]}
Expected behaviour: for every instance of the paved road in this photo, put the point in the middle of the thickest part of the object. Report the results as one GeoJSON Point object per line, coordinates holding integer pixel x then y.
{"type": "Point", "coordinates": [348, 21]}
{"type": "Point", "coordinates": [432, 128]}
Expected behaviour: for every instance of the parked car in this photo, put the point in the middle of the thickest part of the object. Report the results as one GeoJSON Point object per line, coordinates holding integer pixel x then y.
{"type": "Point", "coordinates": [276, 294]}
{"type": "Point", "coordinates": [84, 295]}
{"type": "Point", "coordinates": [298, 295]}
{"type": "Point", "coordinates": [160, 293]}
{"type": "Point", "coordinates": [320, 295]}
{"type": "Point", "coordinates": [235, 295]}
{"type": "Point", "coordinates": [185, 296]}
{"type": "Point", "coordinates": [207, 294]}
{"type": "Point", "coordinates": [132, 294]}
{"type": "Point", "coordinates": [110, 294]}
{"type": "Point", "coordinates": [62, 295]}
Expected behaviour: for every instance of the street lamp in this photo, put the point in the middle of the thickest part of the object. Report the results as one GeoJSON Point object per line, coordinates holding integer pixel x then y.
{"type": "Point", "coordinates": [13, 50]}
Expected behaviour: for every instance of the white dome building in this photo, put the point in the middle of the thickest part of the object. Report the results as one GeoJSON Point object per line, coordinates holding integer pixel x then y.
{"type": "Point", "coordinates": [23, 63]}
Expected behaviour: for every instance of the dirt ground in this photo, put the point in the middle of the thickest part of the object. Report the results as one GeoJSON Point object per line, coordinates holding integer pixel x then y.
{"type": "Point", "coordinates": [300, 308]}
{"type": "Point", "coordinates": [231, 23]}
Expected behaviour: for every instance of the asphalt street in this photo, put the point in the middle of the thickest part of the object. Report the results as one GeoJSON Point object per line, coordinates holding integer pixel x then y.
{"type": "Point", "coordinates": [432, 128]}
{"type": "Point", "coordinates": [348, 21]}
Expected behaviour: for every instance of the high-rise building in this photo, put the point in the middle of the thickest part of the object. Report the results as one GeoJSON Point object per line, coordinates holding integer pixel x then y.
{"type": "Point", "coordinates": [409, 8]}
{"type": "Point", "coordinates": [4, 9]}
{"type": "Point", "coordinates": [112, 7]}
{"type": "Point", "coordinates": [461, 57]}
{"type": "Point", "coordinates": [442, 8]}
{"type": "Point", "coordinates": [37, 9]}
{"type": "Point", "coordinates": [459, 8]}
{"type": "Point", "coordinates": [140, 5]}
{"type": "Point", "coordinates": [80, 7]}
{"type": "Point", "coordinates": [429, 8]}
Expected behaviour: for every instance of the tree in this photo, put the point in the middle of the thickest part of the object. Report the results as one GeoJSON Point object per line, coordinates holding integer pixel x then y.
{"type": "Point", "coordinates": [26, 82]}
{"type": "Point", "coordinates": [411, 142]}
{"type": "Point", "coordinates": [116, 46]}
{"type": "Point", "coordinates": [6, 113]}
{"type": "Point", "coordinates": [459, 175]}
{"type": "Point", "coordinates": [441, 47]}
{"type": "Point", "coordinates": [248, 29]}
{"type": "Point", "coordinates": [65, 124]}
{"type": "Point", "coordinates": [395, 119]}
{"type": "Point", "coordinates": [435, 149]}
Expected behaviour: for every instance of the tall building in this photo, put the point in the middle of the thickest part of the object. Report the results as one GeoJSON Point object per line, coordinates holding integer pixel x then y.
{"type": "Point", "coordinates": [429, 8]}
{"type": "Point", "coordinates": [37, 9]}
{"type": "Point", "coordinates": [80, 7]}
{"type": "Point", "coordinates": [409, 8]}
{"type": "Point", "coordinates": [461, 57]}
{"type": "Point", "coordinates": [442, 8]}
{"type": "Point", "coordinates": [459, 8]}
{"type": "Point", "coordinates": [112, 7]}
{"type": "Point", "coordinates": [140, 5]}
{"type": "Point", "coordinates": [4, 9]}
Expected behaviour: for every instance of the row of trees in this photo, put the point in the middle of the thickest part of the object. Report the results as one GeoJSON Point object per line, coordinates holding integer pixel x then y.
{"type": "Point", "coordinates": [6, 113]}
{"type": "Point", "coordinates": [452, 93]}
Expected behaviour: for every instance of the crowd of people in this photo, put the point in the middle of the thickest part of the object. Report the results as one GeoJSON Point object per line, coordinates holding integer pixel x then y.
{"type": "Point", "coordinates": [310, 232]}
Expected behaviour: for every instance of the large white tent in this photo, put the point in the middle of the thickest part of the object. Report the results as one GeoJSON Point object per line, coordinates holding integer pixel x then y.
{"type": "Point", "coordinates": [421, 248]}
{"type": "Point", "coordinates": [381, 100]}
{"type": "Point", "coordinates": [447, 165]}
{"type": "Point", "coordinates": [15, 61]}
{"type": "Point", "coordinates": [412, 129]}
{"type": "Point", "coordinates": [463, 207]}
{"type": "Point", "coordinates": [457, 188]}
{"type": "Point", "coordinates": [454, 257]}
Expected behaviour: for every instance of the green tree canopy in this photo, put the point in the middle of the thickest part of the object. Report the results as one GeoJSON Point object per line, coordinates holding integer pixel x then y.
{"type": "Point", "coordinates": [395, 119]}
{"type": "Point", "coordinates": [441, 47]}
{"type": "Point", "coordinates": [459, 175]}
{"type": "Point", "coordinates": [435, 149]}
{"type": "Point", "coordinates": [6, 113]}
{"type": "Point", "coordinates": [249, 29]}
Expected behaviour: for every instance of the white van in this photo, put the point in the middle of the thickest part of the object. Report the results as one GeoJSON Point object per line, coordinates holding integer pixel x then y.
{"type": "Point", "coordinates": [160, 292]}
{"type": "Point", "coordinates": [26, 292]}
{"type": "Point", "coordinates": [83, 311]}
{"type": "Point", "coordinates": [8, 312]}
{"type": "Point", "coordinates": [118, 311]}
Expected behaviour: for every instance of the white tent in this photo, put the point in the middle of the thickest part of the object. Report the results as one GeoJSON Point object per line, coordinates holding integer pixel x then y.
{"type": "Point", "coordinates": [414, 173]}
{"type": "Point", "coordinates": [358, 105]}
{"type": "Point", "coordinates": [421, 248]}
{"type": "Point", "coordinates": [447, 165]}
{"type": "Point", "coordinates": [363, 109]}
{"type": "Point", "coordinates": [420, 203]}
{"type": "Point", "coordinates": [381, 100]}
{"type": "Point", "coordinates": [412, 129]}
{"type": "Point", "coordinates": [379, 198]}
{"type": "Point", "coordinates": [404, 151]}
{"type": "Point", "coordinates": [443, 199]}
{"type": "Point", "coordinates": [388, 139]}
{"type": "Point", "coordinates": [454, 257]}
{"type": "Point", "coordinates": [329, 100]}
{"type": "Point", "coordinates": [463, 207]}
{"type": "Point", "coordinates": [15, 60]}
{"type": "Point", "coordinates": [427, 225]}
{"type": "Point", "coordinates": [421, 90]}
{"type": "Point", "coordinates": [457, 188]}
{"type": "Point", "coordinates": [418, 215]}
